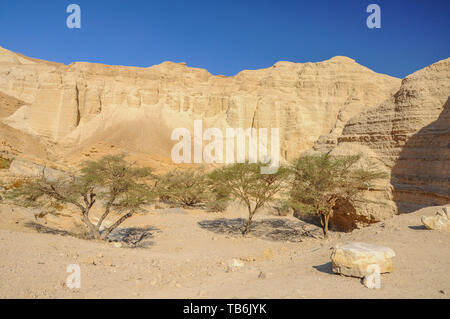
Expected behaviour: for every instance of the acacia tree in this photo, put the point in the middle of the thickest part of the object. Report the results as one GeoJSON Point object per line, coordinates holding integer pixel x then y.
{"type": "Point", "coordinates": [318, 181]}
{"type": "Point", "coordinates": [110, 181]}
{"type": "Point", "coordinates": [218, 198]}
{"type": "Point", "coordinates": [185, 187]}
{"type": "Point", "coordinates": [244, 182]}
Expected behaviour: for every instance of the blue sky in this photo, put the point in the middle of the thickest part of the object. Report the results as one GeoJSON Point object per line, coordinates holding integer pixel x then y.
{"type": "Point", "coordinates": [226, 37]}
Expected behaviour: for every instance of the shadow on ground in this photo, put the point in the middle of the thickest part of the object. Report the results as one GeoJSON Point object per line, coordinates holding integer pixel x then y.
{"type": "Point", "coordinates": [419, 227]}
{"type": "Point", "coordinates": [135, 237]}
{"type": "Point", "coordinates": [49, 230]}
{"type": "Point", "coordinates": [271, 229]}
{"type": "Point", "coordinates": [325, 268]}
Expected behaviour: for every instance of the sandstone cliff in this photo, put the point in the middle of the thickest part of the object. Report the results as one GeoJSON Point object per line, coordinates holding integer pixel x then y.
{"type": "Point", "coordinates": [65, 113]}
{"type": "Point", "coordinates": [408, 136]}
{"type": "Point", "coordinates": [136, 108]}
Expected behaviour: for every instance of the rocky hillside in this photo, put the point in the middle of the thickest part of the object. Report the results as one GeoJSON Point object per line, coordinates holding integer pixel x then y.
{"type": "Point", "coordinates": [137, 108]}
{"type": "Point", "coordinates": [408, 136]}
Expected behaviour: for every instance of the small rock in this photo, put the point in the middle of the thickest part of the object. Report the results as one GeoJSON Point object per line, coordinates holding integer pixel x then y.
{"type": "Point", "coordinates": [89, 261]}
{"type": "Point", "coordinates": [236, 263]}
{"type": "Point", "coordinates": [354, 258]}
{"type": "Point", "coordinates": [117, 244]}
{"type": "Point", "coordinates": [262, 275]}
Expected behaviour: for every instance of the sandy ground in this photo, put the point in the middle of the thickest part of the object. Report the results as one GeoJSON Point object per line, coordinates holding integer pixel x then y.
{"type": "Point", "coordinates": [187, 255]}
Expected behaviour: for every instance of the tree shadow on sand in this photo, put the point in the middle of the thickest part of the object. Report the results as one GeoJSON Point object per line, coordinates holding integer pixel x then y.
{"type": "Point", "coordinates": [270, 229]}
{"type": "Point", "coordinates": [134, 237]}
{"type": "Point", "coordinates": [49, 230]}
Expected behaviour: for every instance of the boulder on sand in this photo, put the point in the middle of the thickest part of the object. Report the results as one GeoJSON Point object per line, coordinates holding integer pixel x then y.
{"type": "Point", "coordinates": [440, 221]}
{"type": "Point", "coordinates": [353, 259]}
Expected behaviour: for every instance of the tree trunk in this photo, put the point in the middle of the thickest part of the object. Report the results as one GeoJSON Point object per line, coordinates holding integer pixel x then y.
{"type": "Point", "coordinates": [321, 219]}
{"type": "Point", "coordinates": [94, 232]}
{"type": "Point", "coordinates": [105, 214]}
{"type": "Point", "coordinates": [325, 225]}
{"type": "Point", "coordinates": [249, 221]}
{"type": "Point", "coordinates": [108, 231]}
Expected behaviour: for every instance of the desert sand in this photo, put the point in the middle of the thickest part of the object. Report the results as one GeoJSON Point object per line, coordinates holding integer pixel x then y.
{"type": "Point", "coordinates": [283, 258]}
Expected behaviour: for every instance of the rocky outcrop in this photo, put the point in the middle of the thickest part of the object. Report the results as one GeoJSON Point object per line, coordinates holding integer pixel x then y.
{"type": "Point", "coordinates": [79, 102]}
{"type": "Point", "coordinates": [410, 134]}
{"type": "Point", "coordinates": [407, 136]}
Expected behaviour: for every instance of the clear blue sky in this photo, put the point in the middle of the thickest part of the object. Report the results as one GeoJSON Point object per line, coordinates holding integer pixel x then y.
{"type": "Point", "coordinates": [227, 36]}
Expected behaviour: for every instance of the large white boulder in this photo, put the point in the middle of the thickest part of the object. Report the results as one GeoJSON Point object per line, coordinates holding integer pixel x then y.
{"type": "Point", "coordinates": [354, 259]}
{"type": "Point", "coordinates": [440, 221]}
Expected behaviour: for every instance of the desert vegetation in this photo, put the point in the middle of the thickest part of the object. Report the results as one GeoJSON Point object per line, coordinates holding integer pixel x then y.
{"type": "Point", "coordinates": [309, 185]}
{"type": "Point", "coordinates": [246, 183]}
{"type": "Point", "coordinates": [183, 187]}
{"type": "Point", "coordinates": [111, 182]}
{"type": "Point", "coordinates": [319, 181]}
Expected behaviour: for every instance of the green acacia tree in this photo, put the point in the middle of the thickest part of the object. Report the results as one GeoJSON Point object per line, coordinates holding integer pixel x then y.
{"type": "Point", "coordinates": [112, 182]}
{"type": "Point", "coordinates": [318, 181]}
{"type": "Point", "coordinates": [185, 187]}
{"type": "Point", "coordinates": [244, 182]}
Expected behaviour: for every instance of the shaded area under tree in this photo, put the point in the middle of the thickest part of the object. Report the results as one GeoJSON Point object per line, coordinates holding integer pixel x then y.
{"type": "Point", "coordinates": [270, 229]}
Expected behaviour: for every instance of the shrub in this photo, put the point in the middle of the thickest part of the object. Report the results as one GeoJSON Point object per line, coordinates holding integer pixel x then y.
{"type": "Point", "coordinates": [121, 188]}
{"type": "Point", "coordinates": [320, 180]}
{"type": "Point", "coordinates": [244, 182]}
{"type": "Point", "coordinates": [183, 187]}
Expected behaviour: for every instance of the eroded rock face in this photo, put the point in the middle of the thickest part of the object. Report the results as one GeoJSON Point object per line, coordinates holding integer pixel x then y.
{"type": "Point", "coordinates": [355, 258]}
{"type": "Point", "coordinates": [408, 137]}
{"type": "Point", "coordinates": [410, 133]}
{"type": "Point", "coordinates": [82, 101]}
